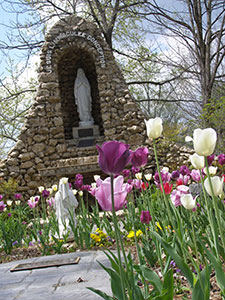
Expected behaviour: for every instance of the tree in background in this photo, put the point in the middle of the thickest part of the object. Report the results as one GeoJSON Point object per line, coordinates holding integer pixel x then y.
{"type": "Point", "coordinates": [178, 76]}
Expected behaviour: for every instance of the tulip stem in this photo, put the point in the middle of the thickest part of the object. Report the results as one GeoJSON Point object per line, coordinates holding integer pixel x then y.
{"type": "Point", "coordinates": [209, 215]}
{"type": "Point", "coordinates": [161, 183]}
{"type": "Point", "coordinates": [118, 238]}
{"type": "Point", "coordinates": [215, 205]}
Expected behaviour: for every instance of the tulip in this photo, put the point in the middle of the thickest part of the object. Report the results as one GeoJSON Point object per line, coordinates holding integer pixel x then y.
{"type": "Point", "coordinates": [217, 185]}
{"type": "Point", "coordinates": [113, 157]}
{"type": "Point", "coordinates": [221, 159]}
{"type": "Point", "coordinates": [103, 193]}
{"type": "Point", "coordinates": [204, 141]}
{"type": "Point", "coordinates": [9, 202]}
{"type": "Point", "coordinates": [212, 170]}
{"type": "Point", "coordinates": [148, 177]}
{"type": "Point", "coordinates": [41, 189]}
{"type": "Point", "coordinates": [126, 173]}
{"type": "Point", "coordinates": [2, 206]}
{"type": "Point", "coordinates": [145, 217]}
{"type": "Point", "coordinates": [210, 159]}
{"type": "Point", "coordinates": [138, 176]}
{"type": "Point", "coordinates": [167, 188]}
{"type": "Point", "coordinates": [80, 193]}
{"type": "Point", "coordinates": [1, 197]}
{"type": "Point", "coordinates": [140, 157]}
{"type": "Point", "coordinates": [45, 193]}
{"type": "Point", "coordinates": [187, 201]}
{"type": "Point", "coordinates": [195, 175]}
{"type": "Point", "coordinates": [32, 202]}
{"type": "Point", "coordinates": [184, 170]}
{"type": "Point", "coordinates": [18, 196]}
{"type": "Point", "coordinates": [55, 187]}
{"type": "Point", "coordinates": [197, 161]}
{"type": "Point", "coordinates": [175, 175]}
{"type": "Point", "coordinates": [17, 202]}
{"type": "Point", "coordinates": [154, 128]}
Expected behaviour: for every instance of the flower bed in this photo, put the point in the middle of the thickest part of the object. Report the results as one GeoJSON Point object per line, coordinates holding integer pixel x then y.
{"type": "Point", "coordinates": [169, 237]}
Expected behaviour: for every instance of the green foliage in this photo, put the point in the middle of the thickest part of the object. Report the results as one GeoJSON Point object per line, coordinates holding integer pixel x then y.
{"type": "Point", "coordinates": [8, 188]}
{"type": "Point", "coordinates": [213, 116]}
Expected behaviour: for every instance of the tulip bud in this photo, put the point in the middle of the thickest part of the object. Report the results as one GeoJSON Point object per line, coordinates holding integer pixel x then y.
{"type": "Point", "coordinates": [204, 141]}
{"type": "Point", "coordinates": [154, 128]}
{"type": "Point", "coordinates": [217, 185]}
{"type": "Point", "coordinates": [197, 161]}
{"type": "Point", "coordinates": [148, 177]}
{"type": "Point", "coordinates": [187, 201]}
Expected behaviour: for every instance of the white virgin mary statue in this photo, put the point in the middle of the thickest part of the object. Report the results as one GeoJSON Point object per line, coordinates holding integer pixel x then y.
{"type": "Point", "coordinates": [65, 204]}
{"type": "Point", "coordinates": [83, 100]}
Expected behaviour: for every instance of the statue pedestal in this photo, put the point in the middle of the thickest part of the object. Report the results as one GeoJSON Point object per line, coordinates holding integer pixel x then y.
{"type": "Point", "coordinates": [86, 135]}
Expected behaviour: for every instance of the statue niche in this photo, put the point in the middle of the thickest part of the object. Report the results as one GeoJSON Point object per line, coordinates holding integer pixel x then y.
{"type": "Point", "coordinates": [77, 113]}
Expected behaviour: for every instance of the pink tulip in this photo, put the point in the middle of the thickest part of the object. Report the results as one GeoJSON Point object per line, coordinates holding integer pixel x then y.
{"type": "Point", "coordinates": [103, 193]}
{"type": "Point", "coordinates": [114, 156]}
{"type": "Point", "coordinates": [195, 175]}
{"type": "Point", "coordinates": [140, 157]}
{"type": "Point", "coordinates": [145, 217]}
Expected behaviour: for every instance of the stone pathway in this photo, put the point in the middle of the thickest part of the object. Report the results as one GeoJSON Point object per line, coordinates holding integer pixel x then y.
{"type": "Point", "coordinates": [56, 283]}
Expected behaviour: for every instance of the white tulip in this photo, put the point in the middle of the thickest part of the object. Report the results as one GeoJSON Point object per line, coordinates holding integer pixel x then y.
{"type": "Point", "coordinates": [217, 185]}
{"type": "Point", "coordinates": [9, 202]}
{"type": "Point", "coordinates": [54, 187]}
{"type": "Point", "coordinates": [148, 177]}
{"type": "Point", "coordinates": [74, 192]}
{"type": "Point", "coordinates": [154, 128]}
{"type": "Point", "coordinates": [138, 176]}
{"type": "Point", "coordinates": [187, 201]}
{"type": "Point", "coordinates": [204, 141]}
{"type": "Point", "coordinates": [17, 202]}
{"type": "Point", "coordinates": [41, 189]}
{"type": "Point", "coordinates": [80, 193]}
{"type": "Point", "coordinates": [197, 161]}
{"type": "Point", "coordinates": [212, 170]}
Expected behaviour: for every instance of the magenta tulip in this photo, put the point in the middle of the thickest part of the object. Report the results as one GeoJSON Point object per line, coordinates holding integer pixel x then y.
{"type": "Point", "coordinates": [114, 156]}
{"type": "Point", "coordinates": [140, 157]}
{"type": "Point", "coordinates": [145, 217]}
{"type": "Point", "coordinates": [103, 193]}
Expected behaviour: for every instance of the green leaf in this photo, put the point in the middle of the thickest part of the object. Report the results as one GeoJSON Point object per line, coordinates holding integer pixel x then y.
{"type": "Point", "coordinates": [178, 260]}
{"type": "Point", "coordinates": [217, 265]}
{"type": "Point", "coordinates": [151, 276]}
{"type": "Point", "coordinates": [201, 289]}
{"type": "Point", "coordinates": [116, 285]}
{"type": "Point", "coordinates": [100, 293]}
{"type": "Point", "coordinates": [168, 285]}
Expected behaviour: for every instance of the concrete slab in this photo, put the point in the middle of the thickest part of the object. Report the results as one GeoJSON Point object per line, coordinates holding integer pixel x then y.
{"type": "Point", "coordinates": [68, 282]}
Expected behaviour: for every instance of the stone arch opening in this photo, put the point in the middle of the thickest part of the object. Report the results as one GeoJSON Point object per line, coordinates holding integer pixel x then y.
{"type": "Point", "coordinates": [70, 61]}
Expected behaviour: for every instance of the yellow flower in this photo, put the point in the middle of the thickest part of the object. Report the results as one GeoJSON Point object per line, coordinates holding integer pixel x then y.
{"type": "Point", "coordinates": [55, 187]}
{"type": "Point", "coordinates": [130, 234]}
{"type": "Point", "coordinates": [139, 233]}
{"type": "Point", "coordinates": [158, 225]}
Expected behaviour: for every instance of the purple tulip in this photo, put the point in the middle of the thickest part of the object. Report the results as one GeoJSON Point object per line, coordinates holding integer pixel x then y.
{"type": "Point", "coordinates": [2, 206]}
{"type": "Point", "coordinates": [51, 201]}
{"type": "Point", "coordinates": [126, 173]}
{"type": "Point", "coordinates": [78, 183]}
{"type": "Point", "coordinates": [176, 194]}
{"type": "Point", "coordinates": [140, 157]}
{"type": "Point", "coordinates": [175, 175]}
{"type": "Point", "coordinates": [135, 170]}
{"type": "Point", "coordinates": [210, 159]}
{"type": "Point", "coordinates": [45, 193]}
{"type": "Point", "coordinates": [79, 177]}
{"type": "Point", "coordinates": [145, 217]}
{"type": "Point", "coordinates": [9, 215]}
{"type": "Point", "coordinates": [103, 193]}
{"type": "Point", "coordinates": [221, 159]}
{"type": "Point", "coordinates": [184, 170]}
{"type": "Point", "coordinates": [137, 184]}
{"type": "Point", "coordinates": [113, 157]}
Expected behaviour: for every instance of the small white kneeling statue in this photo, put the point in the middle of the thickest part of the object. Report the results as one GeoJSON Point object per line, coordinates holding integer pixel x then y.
{"type": "Point", "coordinates": [83, 100]}
{"type": "Point", "coordinates": [65, 201]}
